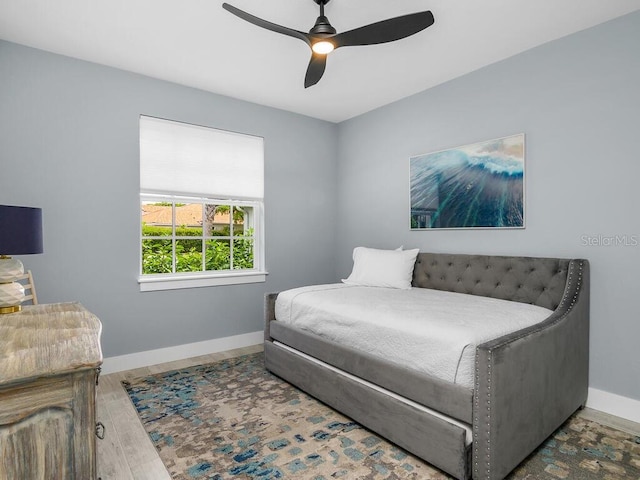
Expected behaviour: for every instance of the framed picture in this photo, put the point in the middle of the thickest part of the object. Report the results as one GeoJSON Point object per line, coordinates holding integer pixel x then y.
{"type": "Point", "coordinates": [473, 186]}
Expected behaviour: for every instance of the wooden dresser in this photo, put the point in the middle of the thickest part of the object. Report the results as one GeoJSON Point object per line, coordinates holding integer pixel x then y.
{"type": "Point", "coordinates": [49, 361]}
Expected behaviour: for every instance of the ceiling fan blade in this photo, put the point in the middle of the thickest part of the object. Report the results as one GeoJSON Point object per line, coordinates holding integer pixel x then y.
{"type": "Point", "coordinates": [315, 70]}
{"type": "Point", "coordinates": [267, 25]}
{"type": "Point", "coordinates": [385, 31]}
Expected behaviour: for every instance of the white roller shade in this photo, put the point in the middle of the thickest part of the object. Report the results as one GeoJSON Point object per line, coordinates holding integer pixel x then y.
{"type": "Point", "coordinates": [188, 159]}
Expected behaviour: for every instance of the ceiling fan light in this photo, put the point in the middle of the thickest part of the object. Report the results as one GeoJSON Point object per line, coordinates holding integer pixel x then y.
{"type": "Point", "coordinates": [323, 47]}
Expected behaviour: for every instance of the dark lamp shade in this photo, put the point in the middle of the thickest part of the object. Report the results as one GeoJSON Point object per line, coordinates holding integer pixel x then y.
{"type": "Point", "coordinates": [20, 230]}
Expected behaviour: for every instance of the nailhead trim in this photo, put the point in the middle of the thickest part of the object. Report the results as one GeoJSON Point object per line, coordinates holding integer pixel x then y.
{"type": "Point", "coordinates": [563, 302]}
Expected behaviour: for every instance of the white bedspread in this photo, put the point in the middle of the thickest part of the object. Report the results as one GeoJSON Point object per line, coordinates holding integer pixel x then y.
{"type": "Point", "coordinates": [430, 331]}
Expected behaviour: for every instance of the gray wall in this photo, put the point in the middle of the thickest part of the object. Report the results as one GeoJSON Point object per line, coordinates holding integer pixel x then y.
{"type": "Point", "coordinates": [69, 144]}
{"type": "Point", "coordinates": [578, 102]}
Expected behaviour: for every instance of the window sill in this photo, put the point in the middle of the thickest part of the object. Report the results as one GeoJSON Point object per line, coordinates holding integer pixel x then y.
{"type": "Point", "coordinates": [174, 282]}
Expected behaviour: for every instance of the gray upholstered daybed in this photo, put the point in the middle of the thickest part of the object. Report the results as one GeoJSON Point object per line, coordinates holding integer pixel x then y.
{"type": "Point", "coordinates": [526, 383]}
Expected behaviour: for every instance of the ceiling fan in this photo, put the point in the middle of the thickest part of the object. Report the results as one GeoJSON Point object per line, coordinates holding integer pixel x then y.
{"type": "Point", "coordinates": [323, 38]}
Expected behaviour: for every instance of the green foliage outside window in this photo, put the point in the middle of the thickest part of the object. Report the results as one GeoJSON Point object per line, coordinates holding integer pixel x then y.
{"type": "Point", "coordinates": [157, 253]}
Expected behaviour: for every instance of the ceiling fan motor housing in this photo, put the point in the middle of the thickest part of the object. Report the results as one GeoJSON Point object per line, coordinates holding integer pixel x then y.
{"type": "Point", "coordinates": [322, 27]}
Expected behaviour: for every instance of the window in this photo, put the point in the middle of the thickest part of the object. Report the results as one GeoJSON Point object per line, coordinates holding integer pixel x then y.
{"type": "Point", "coordinates": [201, 206]}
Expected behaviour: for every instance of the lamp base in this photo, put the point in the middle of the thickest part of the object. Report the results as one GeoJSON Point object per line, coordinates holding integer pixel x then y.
{"type": "Point", "coordinates": [11, 309]}
{"type": "Point", "coordinates": [11, 293]}
{"type": "Point", "coordinates": [10, 269]}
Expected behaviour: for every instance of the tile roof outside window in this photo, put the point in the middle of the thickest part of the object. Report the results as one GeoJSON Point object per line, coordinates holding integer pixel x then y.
{"type": "Point", "coordinates": [189, 215]}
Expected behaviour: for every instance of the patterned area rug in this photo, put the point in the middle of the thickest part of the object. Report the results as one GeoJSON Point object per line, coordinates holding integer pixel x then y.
{"type": "Point", "coordinates": [234, 420]}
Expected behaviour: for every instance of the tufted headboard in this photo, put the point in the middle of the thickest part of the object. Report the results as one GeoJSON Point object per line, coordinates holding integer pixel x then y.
{"type": "Point", "coordinates": [538, 281]}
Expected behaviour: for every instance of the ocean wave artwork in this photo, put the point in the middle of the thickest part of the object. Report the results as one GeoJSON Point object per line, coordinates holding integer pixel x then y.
{"type": "Point", "coordinates": [473, 186]}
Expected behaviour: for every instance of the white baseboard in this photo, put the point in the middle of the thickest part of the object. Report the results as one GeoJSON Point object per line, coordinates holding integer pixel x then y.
{"type": "Point", "coordinates": [179, 352]}
{"type": "Point", "coordinates": [613, 404]}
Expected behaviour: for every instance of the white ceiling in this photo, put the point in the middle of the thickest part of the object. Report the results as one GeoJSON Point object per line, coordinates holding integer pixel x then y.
{"type": "Point", "coordinates": [197, 43]}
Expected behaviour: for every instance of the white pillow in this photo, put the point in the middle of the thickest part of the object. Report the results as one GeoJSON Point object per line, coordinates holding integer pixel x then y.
{"type": "Point", "coordinates": [382, 268]}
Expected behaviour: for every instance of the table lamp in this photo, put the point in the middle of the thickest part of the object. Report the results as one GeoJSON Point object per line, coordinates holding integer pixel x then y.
{"type": "Point", "coordinates": [20, 234]}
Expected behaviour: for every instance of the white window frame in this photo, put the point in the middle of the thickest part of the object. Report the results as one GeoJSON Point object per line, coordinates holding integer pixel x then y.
{"type": "Point", "coordinates": [205, 278]}
{"type": "Point", "coordinates": [196, 148]}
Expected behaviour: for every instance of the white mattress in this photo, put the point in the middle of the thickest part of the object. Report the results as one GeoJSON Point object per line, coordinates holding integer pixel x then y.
{"type": "Point", "coordinates": [430, 331]}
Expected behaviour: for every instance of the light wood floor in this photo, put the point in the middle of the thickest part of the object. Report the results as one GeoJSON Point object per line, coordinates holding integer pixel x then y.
{"type": "Point", "coordinates": [127, 453]}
